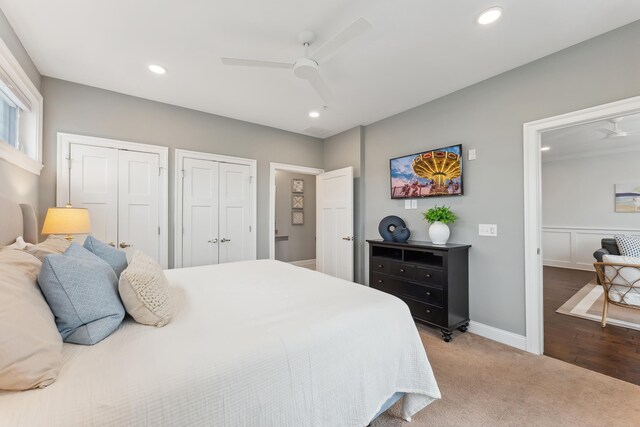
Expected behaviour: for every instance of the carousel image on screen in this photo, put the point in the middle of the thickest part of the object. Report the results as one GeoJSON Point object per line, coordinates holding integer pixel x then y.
{"type": "Point", "coordinates": [431, 173]}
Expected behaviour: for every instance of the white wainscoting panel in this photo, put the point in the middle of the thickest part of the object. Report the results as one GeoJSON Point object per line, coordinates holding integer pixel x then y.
{"type": "Point", "coordinates": [572, 247]}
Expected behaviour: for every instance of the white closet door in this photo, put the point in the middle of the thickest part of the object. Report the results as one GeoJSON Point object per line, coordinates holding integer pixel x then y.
{"type": "Point", "coordinates": [93, 184]}
{"type": "Point", "coordinates": [334, 223]}
{"type": "Point", "coordinates": [235, 213]}
{"type": "Point", "coordinates": [200, 212]}
{"type": "Point", "coordinates": [138, 201]}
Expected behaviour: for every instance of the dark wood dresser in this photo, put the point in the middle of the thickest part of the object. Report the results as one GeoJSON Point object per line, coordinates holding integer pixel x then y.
{"type": "Point", "coordinates": [433, 280]}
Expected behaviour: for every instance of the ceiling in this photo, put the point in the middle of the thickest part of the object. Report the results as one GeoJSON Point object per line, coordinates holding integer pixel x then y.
{"type": "Point", "coordinates": [587, 140]}
{"type": "Point", "coordinates": [418, 50]}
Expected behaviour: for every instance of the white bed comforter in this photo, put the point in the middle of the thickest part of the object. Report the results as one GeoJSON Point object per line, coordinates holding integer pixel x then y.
{"type": "Point", "coordinates": [259, 343]}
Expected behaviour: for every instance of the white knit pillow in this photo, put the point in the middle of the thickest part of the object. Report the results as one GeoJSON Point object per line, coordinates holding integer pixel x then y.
{"type": "Point", "coordinates": [144, 291]}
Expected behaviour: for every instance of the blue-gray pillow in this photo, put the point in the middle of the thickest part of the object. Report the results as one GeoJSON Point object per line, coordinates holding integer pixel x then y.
{"type": "Point", "coordinates": [112, 256]}
{"type": "Point", "coordinates": [82, 292]}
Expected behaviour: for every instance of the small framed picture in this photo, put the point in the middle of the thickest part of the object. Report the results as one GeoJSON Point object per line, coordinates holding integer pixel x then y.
{"type": "Point", "coordinates": [297, 186]}
{"type": "Point", "coordinates": [297, 202]}
{"type": "Point", "coordinates": [297, 217]}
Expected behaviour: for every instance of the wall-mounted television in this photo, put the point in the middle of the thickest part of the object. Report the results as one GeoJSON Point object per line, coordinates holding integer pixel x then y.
{"type": "Point", "coordinates": [431, 173]}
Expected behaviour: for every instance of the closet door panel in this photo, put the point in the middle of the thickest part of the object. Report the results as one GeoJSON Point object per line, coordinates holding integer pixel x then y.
{"type": "Point", "coordinates": [138, 201]}
{"type": "Point", "coordinates": [200, 212]}
{"type": "Point", "coordinates": [93, 184]}
{"type": "Point", "coordinates": [235, 212]}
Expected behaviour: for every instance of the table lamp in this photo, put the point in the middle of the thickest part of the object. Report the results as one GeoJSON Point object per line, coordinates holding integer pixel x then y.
{"type": "Point", "coordinates": [67, 221]}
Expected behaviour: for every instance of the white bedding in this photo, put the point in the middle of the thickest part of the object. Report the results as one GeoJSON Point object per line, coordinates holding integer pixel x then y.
{"type": "Point", "coordinates": [258, 343]}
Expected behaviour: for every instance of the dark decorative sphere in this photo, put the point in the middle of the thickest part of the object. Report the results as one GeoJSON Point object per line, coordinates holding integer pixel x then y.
{"type": "Point", "coordinates": [388, 225]}
{"type": "Point", "coordinates": [401, 235]}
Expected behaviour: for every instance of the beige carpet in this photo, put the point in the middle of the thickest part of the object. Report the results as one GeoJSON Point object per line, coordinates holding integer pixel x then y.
{"type": "Point", "coordinates": [587, 304]}
{"type": "Point", "coordinates": [484, 383]}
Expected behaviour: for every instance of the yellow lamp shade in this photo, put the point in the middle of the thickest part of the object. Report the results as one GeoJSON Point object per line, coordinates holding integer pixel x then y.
{"type": "Point", "coordinates": [67, 220]}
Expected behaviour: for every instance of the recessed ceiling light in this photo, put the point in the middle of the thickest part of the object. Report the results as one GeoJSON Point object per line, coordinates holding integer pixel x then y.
{"type": "Point", "coordinates": [490, 15]}
{"type": "Point", "coordinates": [157, 69]}
{"type": "Point", "coordinates": [545, 148]}
{"type": "Point", "coordinates": [314, 114]}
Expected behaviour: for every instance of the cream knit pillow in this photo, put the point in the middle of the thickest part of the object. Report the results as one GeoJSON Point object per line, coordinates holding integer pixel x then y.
{"type": "Point", "coordinates": [144, 291]}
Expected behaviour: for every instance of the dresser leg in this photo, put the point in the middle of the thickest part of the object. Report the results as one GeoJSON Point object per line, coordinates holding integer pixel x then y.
{"type": "Point", "coordinates": [463, 328]}
{"type": "Point", "coordinates": [446, 335]}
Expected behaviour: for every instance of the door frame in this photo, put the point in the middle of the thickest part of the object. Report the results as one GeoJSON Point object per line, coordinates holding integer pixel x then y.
{"type": "Point", "coordinates": [273, 168]}
{"type": "Point", "coordinates": [178, 174]}
{"type": "Point", "coordinates": [62, 176]}
{"type": "Point", "coordinates": [532, 132]}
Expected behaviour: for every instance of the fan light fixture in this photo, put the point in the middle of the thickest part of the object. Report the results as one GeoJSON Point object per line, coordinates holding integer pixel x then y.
{"type": "Point", "coordinates": [545, 148]}
{"type": "Point", "coordinates": [490, 15]}
{"type": "Point", "coordinates": [157, 69]}
{"type": "Point", "coordinates": [314, 114]}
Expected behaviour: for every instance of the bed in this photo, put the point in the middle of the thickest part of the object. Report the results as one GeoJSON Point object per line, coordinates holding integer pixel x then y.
{"type": "Point", "coordinates": [258, 343]}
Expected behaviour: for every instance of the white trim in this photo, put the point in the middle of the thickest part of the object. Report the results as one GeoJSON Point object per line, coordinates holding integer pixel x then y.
{"type": "Point", "coordinates": [62, 176]}
{"type": "Point", "coordinates": [499, 335]}
{"type": "Point", "coordinates": [180, 155]}
{"type": "Point", "coordinates": [13, 69]}
{"type": "Point", "coordinates": [273, 167]}
{"type": "Point", "coordinates": [532, 205]}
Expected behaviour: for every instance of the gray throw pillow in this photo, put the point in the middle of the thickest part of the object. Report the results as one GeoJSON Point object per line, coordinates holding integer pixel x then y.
{"type": "Point", "coordinates": [82, 292]}
{"type": "Point", "coordinates": [112, 256]}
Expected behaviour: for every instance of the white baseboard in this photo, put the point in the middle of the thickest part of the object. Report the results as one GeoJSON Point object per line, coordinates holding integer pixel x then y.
{"type": "Point", "coordinates": [500, 335]}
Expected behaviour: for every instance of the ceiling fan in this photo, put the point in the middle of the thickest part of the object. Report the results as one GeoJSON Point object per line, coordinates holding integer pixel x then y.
{"type": "Point", "coordinates": [616, 132]}
{"type": "Point", "coordinates": [307, 67]}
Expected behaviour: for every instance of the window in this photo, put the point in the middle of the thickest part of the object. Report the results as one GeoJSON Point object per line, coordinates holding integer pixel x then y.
{"type": "Point", "coordinates": [20, 115]}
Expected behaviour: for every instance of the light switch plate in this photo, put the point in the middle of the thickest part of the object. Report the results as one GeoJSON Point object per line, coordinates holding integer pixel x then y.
{"type": "Point", "coordinates": [489, 230]}
{"type": "Point", "coordinates": [414, 204]}
{"type": "Point", "coordinates": [407, 204]}
{"type": "Point", "coordinates": [471, 155]}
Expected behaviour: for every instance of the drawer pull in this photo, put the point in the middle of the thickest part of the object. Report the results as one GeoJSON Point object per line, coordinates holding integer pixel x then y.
{"type": "Point", "coordinates": [428, 275]}
{"type": "Point", "coordinates": [402, 270]}
{"type": "Point", "coordinates": [380, 266]}
{"type": "Point", "coordinates": [380, 281]}
{"type": "Point", "coordinates": [428, 294]}
{"type": "Point", "coordinates": [428, 311]}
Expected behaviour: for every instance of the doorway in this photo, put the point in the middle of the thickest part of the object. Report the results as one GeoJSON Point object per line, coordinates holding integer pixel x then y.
{"type": "Point", "coordinates": [533, 218]}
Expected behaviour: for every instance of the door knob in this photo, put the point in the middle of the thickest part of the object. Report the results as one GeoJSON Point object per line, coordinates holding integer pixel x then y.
{"type": "Point", "coordinates": [213, 241]}
{"type": "Point", "coordinates": [124, 245]}
{"type": "Point", "coordinates": [112, 244]}
{"type": "Point", "coordinates": [348, 238]}
{"type": "Point", "coordinates": [225, 240]}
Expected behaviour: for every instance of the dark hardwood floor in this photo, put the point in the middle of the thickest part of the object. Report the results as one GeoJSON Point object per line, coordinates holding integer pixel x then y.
{"type": "Point", "coordinates": [612, 351]}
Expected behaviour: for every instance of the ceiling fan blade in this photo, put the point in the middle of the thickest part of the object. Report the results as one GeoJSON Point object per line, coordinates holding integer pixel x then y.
{"type": "Point", "coordinates": [607, 131]}
{"type": "Point", "coordinates": [358, 27]}
{"type": "Point", "coordinates": [320, 87]}
{"type": "Point", "coordinates": [255, 63]}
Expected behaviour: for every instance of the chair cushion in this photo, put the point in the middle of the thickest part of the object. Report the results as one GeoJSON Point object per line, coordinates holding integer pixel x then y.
{"type": "Point", "coordinates": [144, 291]}
{"type": "Point", "coordinates": [82, 291]}
{"type": "Point", "coordinates": [625, 281]}
{"type": "Point", "coordinates": [53, 245]}
{"type": "Point", "coordinates": [628, 245]}
{"type": "Point", "coordinates": [112, 256]}
{"type": "Point", "coordinates": [30, 345]}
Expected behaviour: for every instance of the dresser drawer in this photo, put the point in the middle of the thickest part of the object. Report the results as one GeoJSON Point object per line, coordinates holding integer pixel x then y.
{"type": "Point", "coordinates": [402, 271]}
{"type": "Point", "coordinates": [380, 265]}
{"type": "Point", "coordinates": [426, 312]}
{"type": "Point", "coordinates": [399, 287]}
{"type": "Point", "coordinates": [430, 276]}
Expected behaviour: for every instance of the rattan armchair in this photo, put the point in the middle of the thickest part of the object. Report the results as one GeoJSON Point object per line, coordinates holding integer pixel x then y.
{"type": "Point", "coordinates": [621, 283]}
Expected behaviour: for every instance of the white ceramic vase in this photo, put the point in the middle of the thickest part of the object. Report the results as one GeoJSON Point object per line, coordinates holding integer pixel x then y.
{"type": "Point", "coordinates": [439, 233]}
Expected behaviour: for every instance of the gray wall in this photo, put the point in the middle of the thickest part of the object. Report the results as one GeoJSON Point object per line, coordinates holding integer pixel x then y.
{"type": "Point", "coordinates": [74, 108]}
{"type": "Point", "coordinates": [488, 116]}
{"type": "Point", "coordinates": [17, 183]}
{"type": "Point", "coordinates": [301, 239]}
{"type": "Point", "coordinates": [581, 192]}
{"type": "Point", "coordinates": [340, 151]}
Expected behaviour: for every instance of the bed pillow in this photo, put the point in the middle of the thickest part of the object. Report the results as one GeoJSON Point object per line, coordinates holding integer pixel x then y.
{"type": "Point", "coordinates": [53, 245]}
{"type": "Point", "coordinates": [628, 245]}
{"type": "Point", "coordinates": [112, 256]}
{"type": "Point", "coordinates": [144, 291]}
{"type": "Point", "coordinates": [18, 244]}
{"type": "Point", "coordinates": [30, 345]}
{"type": "Point", "coordinates": [82, 291]}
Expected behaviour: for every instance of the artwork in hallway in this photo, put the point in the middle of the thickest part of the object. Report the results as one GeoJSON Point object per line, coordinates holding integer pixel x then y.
{"type": "Point", "coordinates": [431, 173]}
{"type": "Point", "coordinates": [628, 197]}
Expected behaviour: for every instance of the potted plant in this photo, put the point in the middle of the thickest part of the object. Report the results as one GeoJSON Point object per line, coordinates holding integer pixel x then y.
{"type": "Point", "coordinates": [439, 217]}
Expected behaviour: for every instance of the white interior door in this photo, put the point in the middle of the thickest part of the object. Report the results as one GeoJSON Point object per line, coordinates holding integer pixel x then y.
{"type": "Point", "coordinates": [93, 184]}
{"type": "Point", "coordinates": [235, 213]}
{"type": "Point", "coordinates": [334, 223]}
{"type": "Point", "coordinates": [200, 212]}
{"type": "Point", "coordinates": [138, 201]}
